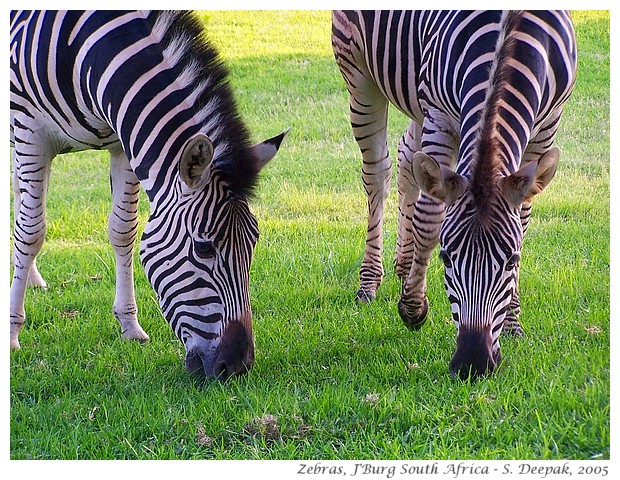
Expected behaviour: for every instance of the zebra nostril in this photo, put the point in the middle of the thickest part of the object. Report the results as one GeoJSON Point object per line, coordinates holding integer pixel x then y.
{"type": "Point", "coordinates": [236, 352]}
{"type": "Point", "coordinates": [194, 364]}
{"type": "Point", "coordinates": [233, 356]}
{"type": "Point", "coordinates": [223, 370]}
{"type": "Point", "coordinates": [226, 367]}
{"type": "Point", "coordinates": [220, 371]}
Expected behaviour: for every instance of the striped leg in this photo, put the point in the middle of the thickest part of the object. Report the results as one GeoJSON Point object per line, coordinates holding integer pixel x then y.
{"type": "Point", "coordinates": [428, 215]}
{"type": "Point", "coordinates": [537, 146]}
{"type": "Point", "coordinates": [511, 324]}
{"type": "Point", "coordinates": [369, 122]}
{"type": "Point", "coordinates": [368, 115]}
{"type": "Point", "coordinates": [122, 229]}
{"type": "Point", "coordinates": [35, 279]}
{"type": "Point", "coordinates": [408, 194]}
{"type": "Point", "coordinates": [31, 166]}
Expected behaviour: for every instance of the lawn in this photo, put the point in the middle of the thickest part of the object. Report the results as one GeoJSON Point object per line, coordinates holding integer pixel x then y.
{"type": "Point", "coordinates": [334, 379]}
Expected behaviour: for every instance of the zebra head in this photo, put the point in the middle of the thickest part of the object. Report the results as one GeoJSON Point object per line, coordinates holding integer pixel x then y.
{"type": "Point", "coordinates": [480, 247]}
{"type": "Point", "coordinates": [196, 251]}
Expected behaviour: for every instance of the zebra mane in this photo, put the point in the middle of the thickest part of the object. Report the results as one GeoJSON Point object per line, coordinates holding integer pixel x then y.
{"type": "Point", "coordinates": [490, 158]}
{"type": "Point", "coordinates": [186, 46]}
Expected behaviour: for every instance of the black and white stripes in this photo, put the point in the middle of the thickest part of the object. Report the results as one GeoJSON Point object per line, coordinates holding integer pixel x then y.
{"type": "Point", "coordinates": [150, 89]}
{"type": "Point", "coordinates": [485, 91]}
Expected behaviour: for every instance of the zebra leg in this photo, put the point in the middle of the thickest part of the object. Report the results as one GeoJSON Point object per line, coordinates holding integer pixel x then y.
{"type": "Point", "coordinates": [31, 167]}
{"type": "Point", "coordinates": [511, 320]}
{"type": "Point", "coordinates": [122, 230]}
{"type": "Point", "coordinates": [428, 215]}
{"type": "Point", "coordinates": [369, 122]}
{"type": "Point", "coordinates": [408, 194]}
{"type": "Point", "coordinates": [368, 115]}
{"type": "Point", "coordinates": [34, 277]}
{"type": "Point", "coordinates": [537, 147]}
{"type": "Point", "coordinates": [427, 218]}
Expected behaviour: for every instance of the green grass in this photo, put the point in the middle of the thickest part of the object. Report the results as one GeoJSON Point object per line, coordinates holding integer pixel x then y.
{"type": "Point", "coordinates": [334, 379]}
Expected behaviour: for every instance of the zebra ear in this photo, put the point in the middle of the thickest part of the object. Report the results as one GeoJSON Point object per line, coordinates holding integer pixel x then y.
{"type": "Point", "coordinates": [531, 179]}
{"type": "Point", "coordinates": [266, 150]}
{"type": "Point", "coordinates": [436, 180]}
{"type": "Point", "coordinates": [195, 158]}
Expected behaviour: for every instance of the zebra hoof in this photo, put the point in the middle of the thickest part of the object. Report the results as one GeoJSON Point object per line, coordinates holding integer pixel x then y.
{"type": "Point", "coordinates": [365, 296]}
{"type": "Point", "coordinates": [36, 280]}
{"type": "Point", "coordinates": [413, 316]}
{"type": "Point", "coordinates": [135, 333]}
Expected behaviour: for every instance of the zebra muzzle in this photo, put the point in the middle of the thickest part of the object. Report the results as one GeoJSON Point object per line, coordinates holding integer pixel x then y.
{"type": "Point", "coordinates": [236, 353]}
{"type": "Point", "coordinates": [233, 356]}
{"type": "Point", "coordinates": [474, 356]}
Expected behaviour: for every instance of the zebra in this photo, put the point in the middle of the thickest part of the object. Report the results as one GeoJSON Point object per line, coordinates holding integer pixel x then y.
{"type": "Point", "coordinates": [484, 91]}
{"type": "Point", "coordinates": [148, 87]}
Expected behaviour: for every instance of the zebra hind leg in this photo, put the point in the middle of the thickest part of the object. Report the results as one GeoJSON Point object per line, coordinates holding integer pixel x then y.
{"type": "Point", "coordinates": [35, 279]}
{"type": "Point", "coordinates": [30, 179]}
{"type": "Point", "coordinates": [122, 230]}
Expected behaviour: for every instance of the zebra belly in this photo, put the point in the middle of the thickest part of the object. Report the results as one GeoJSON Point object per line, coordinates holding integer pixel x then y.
{"type": "Point", "coordinates": [52, 132]}
{"type": "Point", "coordinates": [411, 109]}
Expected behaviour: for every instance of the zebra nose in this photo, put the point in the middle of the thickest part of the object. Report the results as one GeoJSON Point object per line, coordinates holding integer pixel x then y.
{"type": "Point", "coordinates": [226, 368]}
{"type": "Point", "coordinates": [236, 353]}
{"type": "Point", "coordinates": [474, 356]}
{"type": "Point", "coordinates": [233, 356]}
{"type": "Point", "coordinates": [471, 369]}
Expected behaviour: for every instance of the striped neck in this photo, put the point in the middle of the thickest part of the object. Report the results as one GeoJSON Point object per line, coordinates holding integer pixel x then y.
{"type": "Point", "coordinates": [159, 83]}
{"type": "Point", "coordinates": [489, 153]}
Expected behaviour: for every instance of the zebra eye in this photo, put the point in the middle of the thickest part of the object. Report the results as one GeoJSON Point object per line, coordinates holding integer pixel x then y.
{"type": "Point", "coordinates": [445, 258]}
{"type": "Point", "coordinates": [513, 262]}
{"type": "Point", "coordinates": [204, 249]}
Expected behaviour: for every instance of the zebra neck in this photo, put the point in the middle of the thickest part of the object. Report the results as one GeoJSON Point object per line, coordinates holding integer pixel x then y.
{"type": "Point", "coordinates": [157, 83]}
{"type": "Point", "coordinates": [135, 87]}
{"type": "Point", "coordinates": [154, 153]}
{"type": "Point", "coordinates": [153, 118]}
{"type": "Point", "coordinates": [504, 126]}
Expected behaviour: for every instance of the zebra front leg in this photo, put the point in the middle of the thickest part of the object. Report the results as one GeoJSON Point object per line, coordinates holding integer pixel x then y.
{"type": "Point", "coordinates": [427, 219]}
{"type": "Point", "coordinates": [428, 214]}
{"type": "Point", "coordinates": [536, 148]}
{"type": "Point", "coordinates": [511, 320]}
{"type": "Point", "coordinates": [31, 177]}
{"type": "Point", "coordinates": [122, 230]}
{"type": "Point", "coordinates": [408, 194]}
{"type": "Point", "coordinates": [369, 122]}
